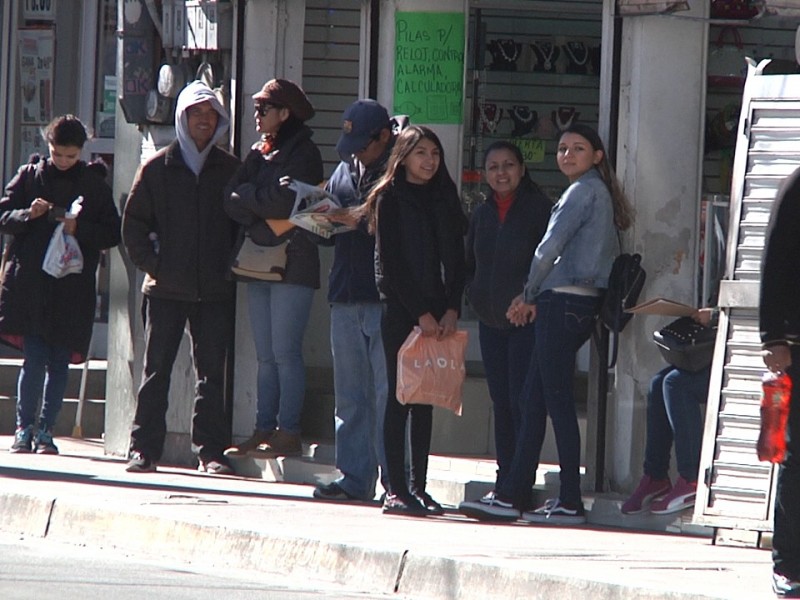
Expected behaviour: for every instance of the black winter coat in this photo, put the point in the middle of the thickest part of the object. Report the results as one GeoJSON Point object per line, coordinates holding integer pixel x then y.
{"type": "Point", "coordinates": [255, 194]}
{"type": "Point", "coordinates": [779, 306]}
{"type": "Point", "coordinates": [420, 248]}
{"type": "Point", "coordinates": [195, 236]}
{"type": "Point", "coordinates": [31, 301]}
{"type": "Point", "coordinates": [499, 254]}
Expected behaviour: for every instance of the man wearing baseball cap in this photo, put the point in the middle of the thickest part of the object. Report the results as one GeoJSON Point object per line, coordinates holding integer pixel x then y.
{"type": "Point", "coordinates": [359, 365]}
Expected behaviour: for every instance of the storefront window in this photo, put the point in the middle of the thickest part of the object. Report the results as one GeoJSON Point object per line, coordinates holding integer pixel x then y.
{"type": "Point", "coordinates": [106, 84]}
{"type": "Point", "coordinates": [530, 75]}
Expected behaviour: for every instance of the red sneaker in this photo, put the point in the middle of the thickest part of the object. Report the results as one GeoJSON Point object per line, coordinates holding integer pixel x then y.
{"type": "Point", "coordinates": [682, 496]}
{"type": "Point", "coordinates": [648, 490]}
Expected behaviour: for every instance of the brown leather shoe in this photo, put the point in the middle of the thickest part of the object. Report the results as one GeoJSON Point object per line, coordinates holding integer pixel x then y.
{"type": "Point", "coordinates": [280, 444]}
{"type": "Point", "coordinates": [259, 437]}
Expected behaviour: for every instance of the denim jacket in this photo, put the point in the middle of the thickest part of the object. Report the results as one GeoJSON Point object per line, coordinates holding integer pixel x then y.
{"type": "Point", "coordinates": [580, 243]}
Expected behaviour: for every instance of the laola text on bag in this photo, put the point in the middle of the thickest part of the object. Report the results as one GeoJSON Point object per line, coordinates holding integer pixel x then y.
{"type": "Point", "coordinates": [438, 362]}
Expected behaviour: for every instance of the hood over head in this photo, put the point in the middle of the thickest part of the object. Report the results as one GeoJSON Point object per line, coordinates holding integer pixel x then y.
{"type": "Point", "coordinates": [195, 93]}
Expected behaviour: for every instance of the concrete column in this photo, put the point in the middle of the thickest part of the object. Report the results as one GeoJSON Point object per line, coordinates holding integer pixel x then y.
{"type": "Point", "coordinates": [660, 153]}
{"type": "Point", "coordinates": [124, 326]}
{"type": "Point", "coordinates": [272, 48]}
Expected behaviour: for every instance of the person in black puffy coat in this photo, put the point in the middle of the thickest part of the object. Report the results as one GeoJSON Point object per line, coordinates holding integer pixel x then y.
{"type": "Point", "coordinates": [50, 319]}
{"type": "Point", "coordinates": [175, 230]}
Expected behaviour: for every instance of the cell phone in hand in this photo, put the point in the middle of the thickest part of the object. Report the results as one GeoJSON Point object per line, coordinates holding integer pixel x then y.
{"type": "Point", "coordinates": [56, 213]}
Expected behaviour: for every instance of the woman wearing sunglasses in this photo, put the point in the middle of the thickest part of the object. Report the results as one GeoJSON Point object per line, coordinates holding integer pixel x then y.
{"type": "Point", "coordinates": [279, 310]}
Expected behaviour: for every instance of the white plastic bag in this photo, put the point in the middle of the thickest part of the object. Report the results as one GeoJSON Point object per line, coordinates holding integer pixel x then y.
{"type": "Point", "coordinates": [63, 254]}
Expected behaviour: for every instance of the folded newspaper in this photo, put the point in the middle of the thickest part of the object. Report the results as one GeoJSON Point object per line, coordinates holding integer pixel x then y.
{"type": "Point", "coordinates": [309, 210]}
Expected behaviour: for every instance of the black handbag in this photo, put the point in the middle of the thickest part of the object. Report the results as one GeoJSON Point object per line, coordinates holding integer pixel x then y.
{"type": "Point", "coordinates": [686, 344]}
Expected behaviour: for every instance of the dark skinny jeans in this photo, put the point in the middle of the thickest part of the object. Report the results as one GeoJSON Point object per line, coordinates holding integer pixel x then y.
{"type": "Point", "coordinates": [563, 324]}
{"type": "Point", "coordinates": [506, 357]}
{"type": "Point", "coordinates": [786, 535]}
{"type": "Point", "coordinates": [395, 327]}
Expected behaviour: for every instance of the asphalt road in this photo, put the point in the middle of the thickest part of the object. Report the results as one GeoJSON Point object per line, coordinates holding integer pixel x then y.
{"type": "Point", "coordinates": [36, 568]}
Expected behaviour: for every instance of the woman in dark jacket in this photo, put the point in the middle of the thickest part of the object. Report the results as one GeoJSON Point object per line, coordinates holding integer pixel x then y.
{"type": "Point", "coordinates": [50, 319]}
{"type": "Point", "coordinates": [420, 274]}
{"type": "Point", "coordinates": [279, 310]}
{"type": "Point", "coordinates": [503, 235]}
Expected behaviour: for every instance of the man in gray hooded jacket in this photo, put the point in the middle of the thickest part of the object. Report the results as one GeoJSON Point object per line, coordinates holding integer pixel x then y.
{"type": "Point", "coordinates": [176, 231]}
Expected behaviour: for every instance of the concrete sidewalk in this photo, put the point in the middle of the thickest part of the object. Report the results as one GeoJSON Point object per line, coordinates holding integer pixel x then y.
{"type": "Point", "coordinates": [86, 498]}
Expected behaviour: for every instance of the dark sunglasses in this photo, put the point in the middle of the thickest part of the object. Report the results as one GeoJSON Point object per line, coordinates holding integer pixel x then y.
{"type": "Point", "coordinates": [263, 109]}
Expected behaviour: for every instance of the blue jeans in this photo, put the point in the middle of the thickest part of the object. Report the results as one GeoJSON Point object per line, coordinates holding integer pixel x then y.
{"type": "Point", "coordinates": [506, 356]}
{"type": "Point", "coordinates": [278, 316]}
{"type": "Point", "coordinates": [563, 324]}
{"type": "Point", "coordinates": [673, 414]}
{"type": "Point", "coordinates": [44, 370]}
{"type": "Point", "coordinates": [359, 376]}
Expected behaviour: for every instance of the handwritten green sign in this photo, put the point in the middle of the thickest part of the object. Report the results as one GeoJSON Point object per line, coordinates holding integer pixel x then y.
{"type": "Point", "coordinates": [429, 66]}
{"type": "Point", "coordinates": [532, 149]}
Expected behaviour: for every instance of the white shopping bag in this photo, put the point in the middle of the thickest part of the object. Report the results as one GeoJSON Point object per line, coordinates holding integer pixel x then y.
{"type": "Point", "coordinates": [64, 255]}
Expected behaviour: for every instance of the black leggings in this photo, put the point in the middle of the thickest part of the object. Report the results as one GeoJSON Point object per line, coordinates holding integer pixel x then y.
{"type": "Point", "coordinates": [395, 327]}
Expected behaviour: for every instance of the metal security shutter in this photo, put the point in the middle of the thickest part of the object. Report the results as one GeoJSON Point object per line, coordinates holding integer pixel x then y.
{"type": "Point", "coordinates": [331, 68]}
{"type": "Point", "coordinates": [737, 490]}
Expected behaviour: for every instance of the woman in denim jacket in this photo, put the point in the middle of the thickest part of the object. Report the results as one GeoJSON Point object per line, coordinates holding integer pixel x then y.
{"type": "Point", "coordinates": [562, 296]}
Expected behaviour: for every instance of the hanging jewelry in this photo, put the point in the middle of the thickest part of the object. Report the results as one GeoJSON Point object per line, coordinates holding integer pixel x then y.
{"type": "Point", "coordinates": [509, 50]}
{"type": "Point", "coordinates": [490, 116]}
{"type": "Point", "coordinates": [524, 120]}
{"type": "Point", "coordinates": [547, 52]}
{"type": "Point", "coordinates": [564, 117]}
{"type": "Point", "coordinates": [504, 54]}
{"type": "Point", "coordinates": [573, 49]}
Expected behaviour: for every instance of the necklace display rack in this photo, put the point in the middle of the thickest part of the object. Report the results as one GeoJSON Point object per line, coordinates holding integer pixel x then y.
{"type": "Point", "coordinates": [490, 116]}
{"type": "Point", "coordinates": [505, 53]}
{"type": "Point", "coordinates": [546, 55]}
{"type": "Point", "coordinates": [563, 117]}
{"type": "Point", "coordinates": [578, 54]}
{"type": "Point", "coordinates": [524, 120]}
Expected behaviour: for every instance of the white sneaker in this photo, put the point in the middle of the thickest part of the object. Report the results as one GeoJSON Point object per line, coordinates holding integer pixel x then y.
{"type": "Point", "coordinates": [488, 497]}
